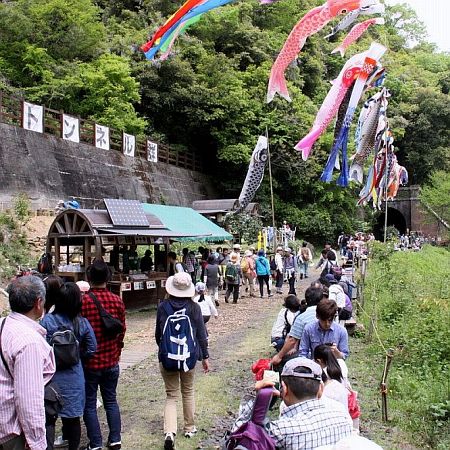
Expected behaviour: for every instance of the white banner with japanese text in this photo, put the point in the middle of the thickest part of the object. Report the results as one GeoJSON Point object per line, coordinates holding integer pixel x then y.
{"type": "Point", "coordinates": [152, 151]}
{"type": "Point", "coordinates": [33, 117]}
{"type": "Point", "coordinates": [70, 128]}
{"type": "Point", "coordinates": [101, 137]}
{"type": "Point", "coordinates": [128, 144]}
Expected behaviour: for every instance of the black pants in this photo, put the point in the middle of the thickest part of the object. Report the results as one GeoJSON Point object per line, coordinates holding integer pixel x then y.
{"type": "Point", "coordinates": [232, 288]}
{"type": "Point", "coordinates": [71, 431]}
{"type": "Point", "coordinates": [292, 285]}
{"type": "Point", "coordinates": [279, 280]}
{"type": "Point", "coordinates": [345, 314]}
{"type": "Point", "coordinates": [261, 280]}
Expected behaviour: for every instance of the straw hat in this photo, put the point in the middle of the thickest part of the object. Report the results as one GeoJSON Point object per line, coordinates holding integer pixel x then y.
{"type": "Point", "coordinates": [180, 285]}
{"type": "Point", "coordinates": [234, 257]}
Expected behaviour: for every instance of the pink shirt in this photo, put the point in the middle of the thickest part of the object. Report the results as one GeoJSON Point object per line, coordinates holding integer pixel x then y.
{"type": "Point", "coordinates": [32, 364]}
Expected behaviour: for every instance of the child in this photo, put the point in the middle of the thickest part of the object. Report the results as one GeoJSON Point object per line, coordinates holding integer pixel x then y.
{"type": "Point", "coordinates": [205, 302]}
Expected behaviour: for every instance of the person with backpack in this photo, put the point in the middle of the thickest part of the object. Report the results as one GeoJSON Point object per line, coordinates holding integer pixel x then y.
{"type": "Point", "coordinates": [182, 341]}
{"type": "Point", "coordinates": [73, 341]}
{"type": "Point", "coordinates": [248, 265]}
{"type": "Point", "coordinates": [305, 422]}
{"type": "Point", "coordinates": [205, 302]}
{"type": "Point", "coordinates": [304, 259]}
{"type": "Point", "coordinates": [328, 264]}
{"type": "Point", "coordinates": [290, 269]}
{"type": "Point", "coordinates": [212, 278]}
{"type": "Point", "coordinates": [284, 321]}
{"type": "Point", "coordinates": [263, 273]}
{"type": "Point", "coordinates": [106, 314]}
{"type": "Point", "coordinates": [233, 275]}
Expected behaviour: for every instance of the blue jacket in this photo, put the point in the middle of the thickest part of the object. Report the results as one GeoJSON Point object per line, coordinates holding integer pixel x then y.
{"type": "Point", "coordinates": [71, 381]}
{"type": "Point", "coordinates": [262, 266]}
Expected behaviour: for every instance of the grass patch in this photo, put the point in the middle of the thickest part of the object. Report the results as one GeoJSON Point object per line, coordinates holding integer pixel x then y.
{"type": "Point", "coordinates": [407, 309]}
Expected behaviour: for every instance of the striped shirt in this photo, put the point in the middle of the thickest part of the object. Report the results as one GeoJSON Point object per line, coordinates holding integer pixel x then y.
{"type": "Point", "coordinates": [32, 364]}
{"type": "Point", "coordinates": [305, 425]}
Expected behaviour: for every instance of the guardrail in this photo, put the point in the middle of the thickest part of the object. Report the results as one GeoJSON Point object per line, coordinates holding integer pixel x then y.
{"type": "Point", "coordinates": [11, 112]}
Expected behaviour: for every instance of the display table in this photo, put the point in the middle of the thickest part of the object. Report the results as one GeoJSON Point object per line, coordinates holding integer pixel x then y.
{"type": "Point", "coordinates": [71, 276]}
{"type": "Point", "coordinates": [140, 289]}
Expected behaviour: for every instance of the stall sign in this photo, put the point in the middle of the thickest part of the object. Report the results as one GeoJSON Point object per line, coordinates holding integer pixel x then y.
{"type": "Point", "coordinates": [141, 240]}
{"type": "Point", "coordinates": [138, 285]}
{"type": "Point", "coordinates": [128, 144]}
{"type": "Point", "coordinates": [108, 240]}
{"type": "Point", "coordinates": [151, 285]}
{"type": "Point", "coordinates": [70, 128]}
{"type": "Point", "coordinates": [163, 283]}
{"type": "Point", "coordinates": [125, 287]}
{"type": "Point", "coordinates": [101, 137]}
{"type": "Point", "coordinates": [33, 117]}
{"type": "Point", "coordinates": [152, 151]}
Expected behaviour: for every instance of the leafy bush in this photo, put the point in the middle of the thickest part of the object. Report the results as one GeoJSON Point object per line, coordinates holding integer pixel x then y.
{"type": "Point", "coordinates": [407, 296]}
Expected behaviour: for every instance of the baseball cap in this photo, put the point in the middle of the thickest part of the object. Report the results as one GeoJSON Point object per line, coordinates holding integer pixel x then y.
{"type": "Point", "coordinates": [290, 367]}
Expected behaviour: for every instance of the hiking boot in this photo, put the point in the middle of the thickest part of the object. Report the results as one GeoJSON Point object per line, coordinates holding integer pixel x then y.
{"type": "Point", "coordinates": [217, 302]}
{"type": "Point", "coordinates": [226, 300]}
{"type": "Point", "coordinates": [169, 441]}
{"type": "Point", "coordinates": [190, 434]}
{"type": "Point", "coordinates": [60, 442]}
{"type": "Point", "coordinates": [114, 445]}
{"type": "Point", "coordinates": [234, 301]}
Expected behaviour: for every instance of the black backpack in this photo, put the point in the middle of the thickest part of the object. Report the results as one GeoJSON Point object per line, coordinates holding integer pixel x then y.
{"type": "Point", "coordinates": [273, 264]}
{"type": "Point", "coordinates": [66, 346]}
{"type": "Point", "coordinates": [112, 326]}
{"type": "Point", "coordinates": [287, 325]}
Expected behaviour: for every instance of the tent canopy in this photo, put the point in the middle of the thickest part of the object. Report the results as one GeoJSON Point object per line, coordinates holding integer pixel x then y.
{"type": "Point", "coordinates": [187, 221]}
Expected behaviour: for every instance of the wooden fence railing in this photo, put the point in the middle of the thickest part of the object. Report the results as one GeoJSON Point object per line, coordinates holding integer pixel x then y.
{"type": "Point", "coordinates": [11, 112]}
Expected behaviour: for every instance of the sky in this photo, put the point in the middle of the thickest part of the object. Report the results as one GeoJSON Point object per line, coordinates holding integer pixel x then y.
{"type": "Point", "coordinates": [435, 14]}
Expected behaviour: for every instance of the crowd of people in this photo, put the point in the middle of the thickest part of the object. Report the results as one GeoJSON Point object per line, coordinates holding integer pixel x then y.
{"type": "Point", "coordinates": [88, 321]}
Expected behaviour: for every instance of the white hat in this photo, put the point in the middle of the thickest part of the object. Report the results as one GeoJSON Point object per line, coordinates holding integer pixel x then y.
{"type": "Point", "coordinates": [237, 246]}
{"type": "Point", "coordinates": [83, 285]}
{"type": "Point", "coordinates": [180, 285]}
{"type": "Point", "coordinates": [279, 249]}
{"type": "Point", "coordinates": [200, 287]}
{"type": "Point", "coordinates": [248, 253]}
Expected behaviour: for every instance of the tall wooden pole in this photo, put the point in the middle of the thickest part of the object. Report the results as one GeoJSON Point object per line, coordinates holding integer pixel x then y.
{"type": "Point", "coordinates": [271, 193]}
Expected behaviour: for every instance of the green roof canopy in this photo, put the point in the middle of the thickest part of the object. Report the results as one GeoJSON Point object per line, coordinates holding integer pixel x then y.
{"type": "Point", "coordinates": [186, 221]}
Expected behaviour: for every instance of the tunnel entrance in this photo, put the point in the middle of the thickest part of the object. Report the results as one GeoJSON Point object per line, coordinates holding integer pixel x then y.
{"type": "Point", "coordinates": [394, 218]}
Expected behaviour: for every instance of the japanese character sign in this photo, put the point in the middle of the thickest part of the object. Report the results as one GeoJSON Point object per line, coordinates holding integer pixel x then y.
{"type": "Point", "coordinates": [101, 137]}
{"type": "Point", "coordinates": [33, 117]}
{"type": "Point", "coordinates": [128, 144]}
{"type": "Point", "coordinates": [70, 128]}
{"type": "Point", "coordinates": [152, 151]}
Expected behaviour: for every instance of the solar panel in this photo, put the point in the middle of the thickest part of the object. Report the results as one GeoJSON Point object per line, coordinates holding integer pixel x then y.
{"type": "Point", "coordinates": [126, 213]}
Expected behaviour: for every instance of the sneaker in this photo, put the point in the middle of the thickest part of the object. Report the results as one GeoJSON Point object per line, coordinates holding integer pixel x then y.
{"type": "Point", "coordinates": [60, 442]}
{"type": "Point", "coordinates": [226, 300]}
{"type": "Point", "coordinates": [190, 434]}
{"type": "Point", "coordinates": [88, 447]}
{"type": "Point", "coordinates": [270, 295]}
{"type": "Point", "coordinates": [169, 441]}
{"type": "Point", "coordinates": [114, 445]}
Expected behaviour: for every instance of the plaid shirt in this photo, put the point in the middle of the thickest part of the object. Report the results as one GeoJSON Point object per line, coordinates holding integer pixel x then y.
{"type": "Point", "coordinates": [304, 426]}
{"type": "Point", "coordinates": [108, 350]}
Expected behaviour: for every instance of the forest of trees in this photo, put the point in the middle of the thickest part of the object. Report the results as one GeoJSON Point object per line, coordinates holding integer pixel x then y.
{"type": "Point", "coordinates": [83, 56]}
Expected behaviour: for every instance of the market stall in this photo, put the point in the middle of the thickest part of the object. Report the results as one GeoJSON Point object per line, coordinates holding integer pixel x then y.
{"type": "Point", "coordinates": [121, 234]}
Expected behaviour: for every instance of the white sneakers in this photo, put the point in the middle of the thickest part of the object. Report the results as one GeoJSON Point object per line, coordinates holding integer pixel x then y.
{"type": "Point", "coordinates": [169, 441]}
{"type": "Point", "coordinates": [190, 434]}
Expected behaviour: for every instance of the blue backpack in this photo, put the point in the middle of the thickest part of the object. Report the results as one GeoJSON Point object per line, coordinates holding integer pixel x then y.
{"type": "Point", "coordinates": [178, 350]}
{"type": "Point", "coordinates": [252, 435]}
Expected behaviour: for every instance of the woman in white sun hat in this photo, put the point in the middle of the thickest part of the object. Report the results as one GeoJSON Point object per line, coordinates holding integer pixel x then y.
{"type": "Point", "coordinates": [181, 337]}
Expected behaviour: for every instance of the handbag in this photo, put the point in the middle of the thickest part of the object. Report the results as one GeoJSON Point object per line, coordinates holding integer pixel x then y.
{"type": "Point", "coordinates": [53, 401]}
{"type": "Point", "coordinates": [111, 325]}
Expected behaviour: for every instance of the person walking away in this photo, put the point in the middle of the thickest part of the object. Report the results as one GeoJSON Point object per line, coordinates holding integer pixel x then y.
{"type": "Point", "coordinates": [284, 321]}
{"type": "Point", "coordinates": [304, 259]}
{"type": "Point", "coordinates": [174, 265]}
{"type": "Point", "coordinates": [328, 265]}
{"type": "Point", "coordinates": [248, 265]}
{"type": "Point", "coordinates": [291, 268]}
{"type": "Point", "coordinates": [279, 267]}
{"type": "Point", "coordinates": [233, 275]}
{"type": "Point", "coordinates": [70, 378]}
{"type": "Point", "coordinates": [205, 302]}
{"type": "Point", "coordinates": [212, 278]}
{"type": "Point", "coordinates": [27, 365]}
{"type": "Point", "coordinates": [263, 273]}
{"type": "Point", "coordinates": [189, 263]}
{"type": "Point", "coordinates": [178, 375]}
{"type": "Point", "coordinates": [102, 370]}
{"type": "Point", "coordinates": [223, 261]}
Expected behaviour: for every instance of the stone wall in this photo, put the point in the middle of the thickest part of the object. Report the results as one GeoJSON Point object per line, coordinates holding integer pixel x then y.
{"type": "Point", "coordinates": [48, 168]}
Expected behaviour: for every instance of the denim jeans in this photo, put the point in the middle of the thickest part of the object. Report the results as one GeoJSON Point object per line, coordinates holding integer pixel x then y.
{"type": "Point", "coordinates": [107, 380]}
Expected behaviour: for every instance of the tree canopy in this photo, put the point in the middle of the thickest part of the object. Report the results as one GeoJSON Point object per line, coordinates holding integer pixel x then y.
{"type": "Point", "coordinates": [209, 97]}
